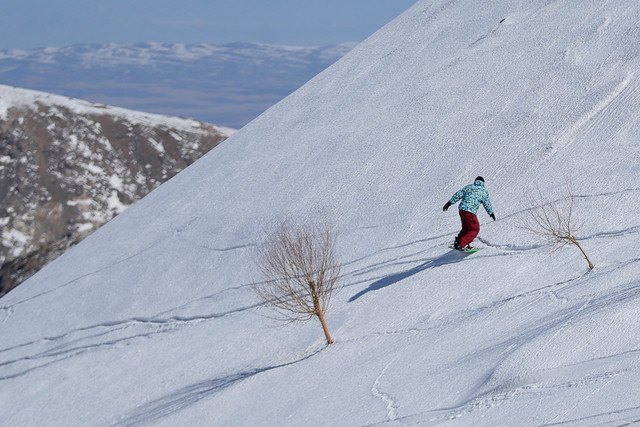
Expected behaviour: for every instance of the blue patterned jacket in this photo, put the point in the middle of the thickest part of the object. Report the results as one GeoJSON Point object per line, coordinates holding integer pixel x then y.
{"type": "Point", "coordinates": [472, 196]}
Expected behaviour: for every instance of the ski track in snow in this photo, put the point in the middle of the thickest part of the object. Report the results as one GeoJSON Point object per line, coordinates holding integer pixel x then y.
{"type": "Point", "coordinates": [213, 296]}
{"type": "Point", "coordinates": [534, 385]}
{"type": "Point", "coordinates": [612, 418]}
{"type": "Point", "coordinates": [372, 267]}
{"type": "Point", "coordinates": [605, 110]}
{"type": "Point", "coordinates": [98, 337]}
{"type": "Point", "coordinates": [391, 405]}
{"type": "Point", "coordinates": [7, 312]}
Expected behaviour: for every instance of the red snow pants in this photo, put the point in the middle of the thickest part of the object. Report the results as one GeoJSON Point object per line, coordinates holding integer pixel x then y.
{"type": "Point", "coordinates": [470, 228]}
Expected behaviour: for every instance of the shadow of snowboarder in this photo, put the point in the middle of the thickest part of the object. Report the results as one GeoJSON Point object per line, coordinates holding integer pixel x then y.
{"type": "Point", "coordinates": [448, 258]}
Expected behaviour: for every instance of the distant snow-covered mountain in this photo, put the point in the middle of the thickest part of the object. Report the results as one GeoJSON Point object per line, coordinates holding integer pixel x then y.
{"type": "Point", "coordinates": [227, 84]}
{"type": "Point", "coordinates": [68, 166]}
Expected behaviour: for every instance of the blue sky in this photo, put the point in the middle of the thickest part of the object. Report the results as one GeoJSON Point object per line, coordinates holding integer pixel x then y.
{"type": "Point", "coordinates": [26, 24]}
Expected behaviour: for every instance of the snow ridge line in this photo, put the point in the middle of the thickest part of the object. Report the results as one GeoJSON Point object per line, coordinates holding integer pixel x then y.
{"type": "Point", "coordinates": [115, 326]}
{"type": "Point", "coordinates": [392, 406]}
{"type": "Point", "coordinates": [611, 106]}
{"type": "Point", "coordinates": [64, 350]}
{"type": "Point", "coordinates": [191, 303]}
{"type": "Point", "coordinates": [585, 123]}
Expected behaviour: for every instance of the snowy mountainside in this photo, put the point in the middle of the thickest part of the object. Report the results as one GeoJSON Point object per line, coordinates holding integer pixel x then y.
{"type": "Point", "coordinates": [227, 84]}
{"type": "Point", "coordinates": [154, 317]}
{"type": "Point", "coordinates": [68, 166]}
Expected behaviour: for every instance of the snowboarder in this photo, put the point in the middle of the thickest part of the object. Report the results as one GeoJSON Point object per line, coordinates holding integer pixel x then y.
{"type": "Point", "coordinates": [472, 196]}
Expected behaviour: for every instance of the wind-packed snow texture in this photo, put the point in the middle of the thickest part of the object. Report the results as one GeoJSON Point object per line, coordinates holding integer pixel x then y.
{"type": "Point", "coordinates": [151, 321]}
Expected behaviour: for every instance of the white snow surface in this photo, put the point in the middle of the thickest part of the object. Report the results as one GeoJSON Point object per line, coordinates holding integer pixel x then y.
{"type": "Point", "coordinates": [152, 321]}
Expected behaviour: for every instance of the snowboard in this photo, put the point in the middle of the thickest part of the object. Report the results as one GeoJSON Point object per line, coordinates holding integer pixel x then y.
{"type": "Point", "coordinates": [471, 251]}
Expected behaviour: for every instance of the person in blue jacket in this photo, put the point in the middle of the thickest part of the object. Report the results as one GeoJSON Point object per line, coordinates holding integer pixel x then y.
{"type": "Point", "coordinates": [472, 197]}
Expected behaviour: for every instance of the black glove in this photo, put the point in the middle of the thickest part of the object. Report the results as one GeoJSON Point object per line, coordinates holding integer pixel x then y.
{"type": "Point", "coordinates": [446, 206]}
{"type": "Point", "coordinates": [493, 216]}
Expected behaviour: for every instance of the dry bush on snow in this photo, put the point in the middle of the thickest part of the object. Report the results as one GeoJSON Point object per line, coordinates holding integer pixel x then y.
{"type": "Point", "coordinates": [300, 269]}
{"type": "Point", "coordinates": [554, 222]}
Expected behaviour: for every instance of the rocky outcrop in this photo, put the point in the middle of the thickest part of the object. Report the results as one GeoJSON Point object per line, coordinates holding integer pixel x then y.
{"type": "Point", "coordinates": [68, 166]}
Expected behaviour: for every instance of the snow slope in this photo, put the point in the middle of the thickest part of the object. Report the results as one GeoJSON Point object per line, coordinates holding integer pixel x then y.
{"type": "Point", "coordinates": [151, 321]}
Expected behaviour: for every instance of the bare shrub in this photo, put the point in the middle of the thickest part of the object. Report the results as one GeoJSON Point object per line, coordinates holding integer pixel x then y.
{"type": "Point", "coordinates": [300, 269]}
{"type": "Point", "coordinates": [554, 221]}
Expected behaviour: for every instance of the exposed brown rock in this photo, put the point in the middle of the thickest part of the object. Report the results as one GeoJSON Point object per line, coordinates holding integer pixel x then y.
{"type": "Point", "coordinates": [63, 173]}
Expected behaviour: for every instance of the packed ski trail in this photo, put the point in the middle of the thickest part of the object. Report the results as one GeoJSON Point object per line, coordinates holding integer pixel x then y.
{"type": "Point", "coordinates": [154, 316]}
